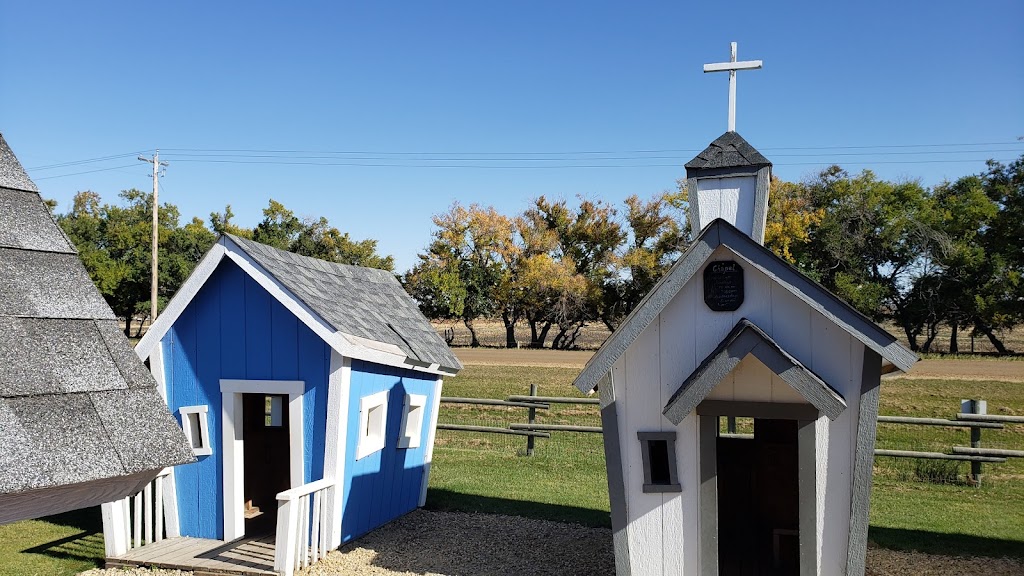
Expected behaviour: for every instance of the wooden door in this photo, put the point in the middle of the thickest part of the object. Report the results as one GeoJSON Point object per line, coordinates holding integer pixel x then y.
{"type": "Point", "coordinates": [267, 458]}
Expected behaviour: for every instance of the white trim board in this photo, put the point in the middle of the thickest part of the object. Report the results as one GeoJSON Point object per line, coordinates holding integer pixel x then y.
{"type": "Point", "coordinates": [347, 345]}
{"type": "Point", "coordinates": [233, 452]}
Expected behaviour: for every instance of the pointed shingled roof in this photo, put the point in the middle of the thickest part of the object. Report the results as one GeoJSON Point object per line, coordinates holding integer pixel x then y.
{"type": "Point", "coordinates": [729, 150]}
{"type": "Point", "coordinates": [77, 406]}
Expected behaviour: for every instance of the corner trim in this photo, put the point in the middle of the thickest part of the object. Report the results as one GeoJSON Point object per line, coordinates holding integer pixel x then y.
{"type": "Point", "coordinates": [761, 191]}
{"type": "Point", "coordinates": [616, 482]}
{"type": "Point", "coordinates": [863, 462]}
{"type": "Point", "coordinates": [708, 528]}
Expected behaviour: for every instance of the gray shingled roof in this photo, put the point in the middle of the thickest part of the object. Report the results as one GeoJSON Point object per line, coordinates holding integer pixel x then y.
{"type": "Point", "coordinates": [354, 300]}
{"type": "Point", "coordinates": [76, 404]}
{"type": "Point", "coordinates": [729, 150]}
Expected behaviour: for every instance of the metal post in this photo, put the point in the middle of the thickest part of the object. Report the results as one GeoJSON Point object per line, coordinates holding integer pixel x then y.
{"type": "Point", "coordinates": [975, 407]}
{"type": "Point", "coordinates": [533, 420]}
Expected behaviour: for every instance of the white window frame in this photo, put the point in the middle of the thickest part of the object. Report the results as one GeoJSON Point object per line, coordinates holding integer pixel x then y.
{"type": "Point", "coordinates": [200, 412]}
{"type": "Point", "coordinates": [372, 433]}
{"type": "Point", "coordinates": [412, 428]}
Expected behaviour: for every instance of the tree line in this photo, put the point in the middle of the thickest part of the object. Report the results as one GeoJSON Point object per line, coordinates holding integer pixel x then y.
{"type": "Point", "coordinates": [920, 258]}
{"type": "Point", "coordinates": [114, 242]}
{"type": "Point", "coordinates": [923, 259]}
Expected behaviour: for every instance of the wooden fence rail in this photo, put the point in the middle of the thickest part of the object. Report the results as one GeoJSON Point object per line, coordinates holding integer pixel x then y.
{"type": "Point", "coordinates": [971, 415]}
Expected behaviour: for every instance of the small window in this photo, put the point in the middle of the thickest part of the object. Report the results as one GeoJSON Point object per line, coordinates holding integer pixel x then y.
{"type": "Point", "coordinates": [373, 411]}
{"type": "Point", "coordinates": [273, 411]}
{"type": "Point", "coordinates": [197, 429]}
{"type": "Point", "coordinates": [658, 450]}
{"type": "Point", "coordinates": [412, 421]}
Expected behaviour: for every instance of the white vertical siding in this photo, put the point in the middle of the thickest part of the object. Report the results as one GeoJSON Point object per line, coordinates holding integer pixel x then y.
{"type": "Point", "coordinates": [680, 539]}
{"type": "Point", "coordinates": [731, 199]}
{"type": "Point", "coordinates": [643, 413]}
{"type": "Point", "coordinates": [663, 529]}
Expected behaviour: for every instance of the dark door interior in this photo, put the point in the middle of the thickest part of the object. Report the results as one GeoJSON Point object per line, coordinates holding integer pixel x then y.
{"type": "Point", "coordinates": [758, 501]}
{"type": "Point", "coordinates": [267, 462]}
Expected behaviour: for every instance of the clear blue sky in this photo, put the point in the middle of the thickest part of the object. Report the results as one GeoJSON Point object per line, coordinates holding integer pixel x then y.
{"type": "Point", "coordinates": [487, 84]}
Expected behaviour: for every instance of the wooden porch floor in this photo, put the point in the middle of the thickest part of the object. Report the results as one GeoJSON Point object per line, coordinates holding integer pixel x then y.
{"type": "Point", "coordinates": [245, 557]}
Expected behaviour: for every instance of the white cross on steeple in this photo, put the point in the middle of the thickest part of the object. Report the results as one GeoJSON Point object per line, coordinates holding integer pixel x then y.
{"type": "Point", "coordinates": [732, 66]}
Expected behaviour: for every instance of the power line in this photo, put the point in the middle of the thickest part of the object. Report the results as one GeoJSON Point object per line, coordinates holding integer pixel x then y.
{"type": "Point", "coordinates": [210, 157]}
{"type": "Point", "coordinates": [561, 153]}
{"type": "Point", "coordinates": [86, 161]}
{"type": "Point", "coordinates": [86, 172]}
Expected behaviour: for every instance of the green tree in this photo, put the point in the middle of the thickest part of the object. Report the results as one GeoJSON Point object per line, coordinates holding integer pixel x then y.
{"type": "Point", "coordinates": [314, 237]}
{"type": "Point", "coordinates": [655, 240]}
{"type": "Point", "coordinates": [114, 243]}
{"type": "Point", "coordinates": [460, 273]}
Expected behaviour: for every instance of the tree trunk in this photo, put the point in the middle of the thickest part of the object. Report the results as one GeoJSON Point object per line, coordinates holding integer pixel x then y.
{"type": "Point", "coordinates": [473, 342]}
{"type": "Point", "coordinates": [912, 337]}
{"type": "Point", "coordinates": [510, 330]}
{"type": "Point", "coordinates": [127, 326]}
{"type": "Point", "coordinates": [932, 333]}
{"type": "Point", "coordinates": [557, 343]}
{"type": "Point", "coordinates": [996, 342]}
{"type": "Point", "coordinates": [954, 346]}
{"type": "Point", "coordinates": [138, 333]}
{"type": "Point", "coordinates": [537, 337]}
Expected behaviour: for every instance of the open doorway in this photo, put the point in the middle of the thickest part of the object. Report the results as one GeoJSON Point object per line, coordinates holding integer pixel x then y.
{"type": "Point", "coordinates": [759, 500]}
{"type": "Point", "coordinates": [263, 451]}
{"type": "Point", "coordinates": [266, 459]}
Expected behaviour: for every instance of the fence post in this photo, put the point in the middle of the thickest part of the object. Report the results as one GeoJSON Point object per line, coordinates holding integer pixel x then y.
{"type": "Point", "coordinates": [730, 424]}
{"type": "Point", "coordinates": [532, 419]}
{"type": "Point", "coordinates": [975, 407]}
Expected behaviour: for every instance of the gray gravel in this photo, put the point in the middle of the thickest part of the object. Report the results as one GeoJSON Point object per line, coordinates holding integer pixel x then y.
{"type": "Point", "coordinates": [459, 544]}
{"type": "Point", "coordinates": [429, 543]}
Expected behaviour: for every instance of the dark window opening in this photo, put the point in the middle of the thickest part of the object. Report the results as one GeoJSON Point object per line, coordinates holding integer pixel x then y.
{"type": "Point", "coordinates": [659, 457]}
{"type": "Point", "coordinates": [657, 453]}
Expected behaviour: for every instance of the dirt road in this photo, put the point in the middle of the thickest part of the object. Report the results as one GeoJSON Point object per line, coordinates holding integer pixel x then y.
{"type": "Point", "coordinates": [961, 369]}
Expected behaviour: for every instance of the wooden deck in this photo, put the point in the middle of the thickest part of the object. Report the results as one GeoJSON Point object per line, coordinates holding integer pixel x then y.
{"type": "Point", "coordinates": [245, 557]}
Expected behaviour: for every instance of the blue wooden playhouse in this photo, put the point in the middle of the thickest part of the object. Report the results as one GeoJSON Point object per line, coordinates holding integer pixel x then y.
{"type": "Point", "coordinates": [309, 392]}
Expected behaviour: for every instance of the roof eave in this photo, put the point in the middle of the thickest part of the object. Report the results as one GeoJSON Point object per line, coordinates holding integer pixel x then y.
{"type": "Point", "coordinates": [338, 341]}
{"type": "Point", "coordinates": [719, 233]}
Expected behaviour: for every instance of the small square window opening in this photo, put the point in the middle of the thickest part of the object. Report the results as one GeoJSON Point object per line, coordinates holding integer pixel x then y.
{"type": "Point", "coordinates": [195, 425]}
{"type": "Point", "coordinates": [412, 421]}
{"type": "Point", "coordinates": [373, 411]}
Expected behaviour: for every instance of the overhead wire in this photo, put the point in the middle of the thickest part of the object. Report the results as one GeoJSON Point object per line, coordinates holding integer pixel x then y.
{"type": "Point", "coordinates": [535, 160]}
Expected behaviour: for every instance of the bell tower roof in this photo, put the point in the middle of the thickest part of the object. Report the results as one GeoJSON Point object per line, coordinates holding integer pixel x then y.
{"type": "Point", "coordinates": [730, 150]}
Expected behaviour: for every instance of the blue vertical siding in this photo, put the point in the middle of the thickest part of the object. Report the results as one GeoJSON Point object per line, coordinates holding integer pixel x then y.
{"type": "Point", "coordinates": [234, 329]}
{"type": "Point", "coordinates": [386, 484]}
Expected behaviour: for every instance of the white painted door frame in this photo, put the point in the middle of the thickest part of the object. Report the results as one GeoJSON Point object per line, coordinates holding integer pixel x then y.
{"type": "Point", "coordinates": [233, 446]}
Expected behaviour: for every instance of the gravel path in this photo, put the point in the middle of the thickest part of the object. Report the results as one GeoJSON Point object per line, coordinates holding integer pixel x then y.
{"type": "Point", "coordinates": [428, 543]}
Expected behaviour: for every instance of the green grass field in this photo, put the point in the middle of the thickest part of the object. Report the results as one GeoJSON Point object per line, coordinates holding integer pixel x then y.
{"type": "Point", "coordinates": [916, 505]}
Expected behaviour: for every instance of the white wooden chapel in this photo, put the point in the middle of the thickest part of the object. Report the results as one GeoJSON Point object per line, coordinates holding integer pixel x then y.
{"type": "Point", "coordinates": [734, 330]}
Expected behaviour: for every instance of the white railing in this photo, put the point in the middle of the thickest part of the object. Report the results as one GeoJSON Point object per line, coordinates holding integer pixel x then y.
{"type": "Point", "coordinates": [302, 526]}
{"type": "Point", "coordinates": [138, 520]}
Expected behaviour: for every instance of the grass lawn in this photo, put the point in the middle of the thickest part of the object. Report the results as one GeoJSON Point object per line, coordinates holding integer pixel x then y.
{"type": "Point", "coordinates": [916, 505]}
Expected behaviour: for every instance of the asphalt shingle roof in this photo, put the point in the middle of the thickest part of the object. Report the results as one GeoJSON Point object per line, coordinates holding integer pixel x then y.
{"type": "Point", "coordinates": [76, 404]}
{"type": "Point", "coordinates": [729, 150]}
{"type": "Point", "coordinates": [354, 300]}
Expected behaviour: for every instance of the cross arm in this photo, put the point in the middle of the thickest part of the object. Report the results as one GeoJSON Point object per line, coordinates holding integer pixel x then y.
{"type": "Point", "coordinates": [729, 66]}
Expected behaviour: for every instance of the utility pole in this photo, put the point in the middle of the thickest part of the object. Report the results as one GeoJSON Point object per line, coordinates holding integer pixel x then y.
{"type": "Point", "coordinates": [157, 164]}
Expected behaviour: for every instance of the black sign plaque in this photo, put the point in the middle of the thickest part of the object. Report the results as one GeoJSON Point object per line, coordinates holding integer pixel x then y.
{"type": "Point", "coordinates": [723, 286]}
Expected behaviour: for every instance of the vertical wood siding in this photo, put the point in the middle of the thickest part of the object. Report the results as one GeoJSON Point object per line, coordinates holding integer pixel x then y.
{"type": "Point", "coordinates": [233, 329]}
{"type": "Point", "coordinates": [386, 484]}
{"type": "Point", "coordinates": [663, 529]}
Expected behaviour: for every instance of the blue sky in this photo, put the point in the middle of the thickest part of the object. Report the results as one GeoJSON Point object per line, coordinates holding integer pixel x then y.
{"type": "Point", "coordinates": [512, 98]}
